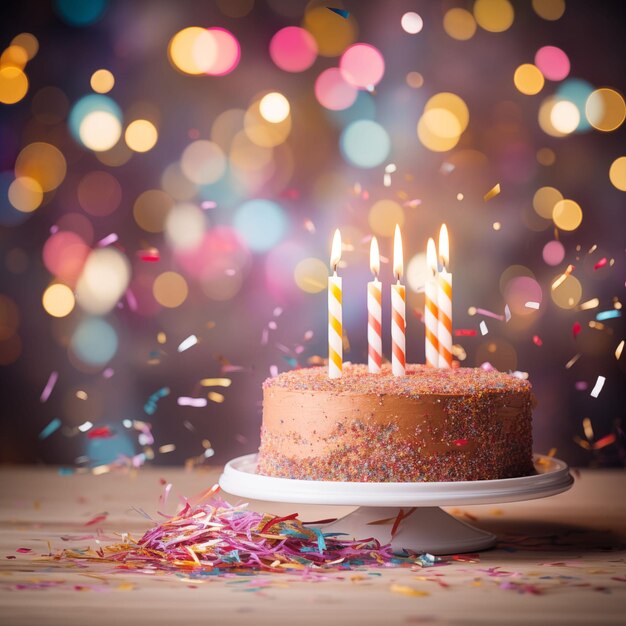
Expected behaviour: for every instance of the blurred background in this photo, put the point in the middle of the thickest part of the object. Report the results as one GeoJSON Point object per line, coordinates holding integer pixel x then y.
{"type": "Point", "coordinates": [171, 175]}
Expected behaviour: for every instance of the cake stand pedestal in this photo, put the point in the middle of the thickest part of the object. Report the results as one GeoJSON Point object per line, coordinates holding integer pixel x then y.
{"type": "Point", "coordinates": [423, 526]}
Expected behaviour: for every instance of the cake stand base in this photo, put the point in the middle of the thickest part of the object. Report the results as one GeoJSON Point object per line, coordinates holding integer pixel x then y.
{"type": "Point", "coordinates": [421, 529]}
{"type": "Point", "coordinates": [423, 526]}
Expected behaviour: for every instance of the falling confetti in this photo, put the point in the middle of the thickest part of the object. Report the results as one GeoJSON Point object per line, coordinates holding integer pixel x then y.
{"type": "Point", "coordinates": [492, 193]}
{"type": "Point", "coordinates": [191, 341]}
{"type": "Point", "coordinates": [53, 426]}
{"type": "Point", "coordinates": [597, 388]}
{"type": "Point", "coordinates": [47, 390]}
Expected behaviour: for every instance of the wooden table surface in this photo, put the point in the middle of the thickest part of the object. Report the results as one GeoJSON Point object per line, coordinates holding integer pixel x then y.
{"type": "Point", "coordinates": [561, 560]}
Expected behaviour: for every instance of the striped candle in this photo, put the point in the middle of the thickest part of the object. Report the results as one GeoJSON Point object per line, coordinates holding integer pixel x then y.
{"type": "Point", "coordinates": [444, 302]}
{"type": "Point", "coordinates": [335, 329]}
{"type": "Point", "coordinates": [398, 311]}
{"type": "Point", "coordinates": [374, 313]}
{"type": "Point", "coordinates": [431, 310]}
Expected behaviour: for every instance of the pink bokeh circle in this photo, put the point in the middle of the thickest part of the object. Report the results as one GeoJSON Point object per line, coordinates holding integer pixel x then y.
{"type": "Point", "coordinates": [293, 49]}
{"type": "Point", "coordinates": [552, 62]}
{"type": "Point", "coordinates": [362, 65]}
{"type": "Point", "coordinates": [333, 92]}
{"type": "Point", "coordinates": [553, 252]}
{"type": "Point", "coordinates": [521, 290]}
{"type": "Point", "coordinates": [228, 52]}
{"type": "Point", "coordinates": [64, 255]}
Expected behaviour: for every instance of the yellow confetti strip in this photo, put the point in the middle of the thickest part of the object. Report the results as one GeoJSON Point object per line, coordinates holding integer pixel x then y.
{"type": "Point", "coordinates": [588, 428]}
{"type": "Point", "coordinates": [619, 349]}
{"type": "Point", "coordinates": [216, 382]}
{"type": "Point", "coordinates": [408, 591]}
{"type": "Point", "coordinates": [215, 397]}
{"type": "Point", "coordinates": [492, 193]}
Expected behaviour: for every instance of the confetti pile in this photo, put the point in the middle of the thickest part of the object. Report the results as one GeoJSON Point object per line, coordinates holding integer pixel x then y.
{"type": "Point", "coordinates": [214, 537]}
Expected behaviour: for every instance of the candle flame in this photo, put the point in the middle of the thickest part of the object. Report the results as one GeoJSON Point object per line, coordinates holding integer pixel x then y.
{"type": "Point", "coordinates": [444, 246]}
{"type": "Point", "coordinates": [398, 264]}
{"type": "Point", "coordinates": [335, 252]}
{"type": "Point", "coordinates": [431, 255]}
{"type": "Point", "coordinates": [374, 257]}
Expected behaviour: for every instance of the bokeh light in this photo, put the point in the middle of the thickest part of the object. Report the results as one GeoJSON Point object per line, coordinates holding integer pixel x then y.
{"type": "Point", "coordinates": [274, 107]}
{"type": "Point", "coordinates": [362, 65]}
{"type": "Point", "coordinates": [333, 91]}
{"type": "Point", "coordinates": [528, 79]}
{"type": "Point", "coordinates": [567, 293]}
{"type": "Point", "coordinates": [28, 42]}
{"type": "Point", "coordinates": [13, 84]}
{"type": "Point", "coordinates": [365, 144]}
{"type": "Point", "coordinates": [170, 289]}
{"type": "Point", "coordinates": [203, 162]}
{"type": "Point", "coordinates": [617, 173]}
{"type": "Point", "coordinates": [228, 52]}
{"type": "Point", "coordinates": [564, 116]}
{"type": "Point", "coordinates": [102, 81]}
{"type": "Point", "coordinates": [459, 24]}
{"type": "Point", "coordinates": [545, 200]}
{"type": "Point", "coordinates": [549, 9]}
{"type": "Point", "coordinates": [577, 91]}
{"type": "Point", "coordinates": [58, 300]}
{"type": "Point", "coordinates": [80, 12]}
{"type": "Point", "coordinates": [383, 217]}
{"type": "Point", "coordinates": [567, 214]}
{"type": "Point", "coordinates": [332, 33]}
{"type": "Point", "coordinates": [293, 49]}
{"type": "Point", "coordinates": [99, 193]}
{"type": "Point", "coordinates": [605, 109]}
{"type": "Point", "coordinates": [64, 255]}
{"type": "Point", "coordinates": [520, 290]}
{"type": "Point", "coordinates": [192, 50]}
{"type": "Point", "coordinates": [311, 275]}
{"type": "Point", "coordinates": [141, 135]}
{"type": "Point", "coordinates": [553, 62]}
{"type": "Point", "coordinates": [260, 223]}
{"type": "Point", "coordinates": [553, 253]}
{"type": "Point", "coordinates": [9, 317]}
{"type": "Point", "coordinates": [25, 194]}
{"type": "Point", "coordinates": [414, 80]}
{"type": "Point", "coordinates": [496, 16]}
{"type": "Point", "coordinates": [43, 163]}
{"type": "Point", "coordinates": [100, 130]}
{"type": "Point", "coordinates": [412, 23]}
{"type": "Point", "coordinates": [103, 280]}
{"type": "Point", "coordinates": [94, 341]}
{"type": "Point", "coordinates": [184, 226]}
{"type": "Point", "coordinates": [151, 208]}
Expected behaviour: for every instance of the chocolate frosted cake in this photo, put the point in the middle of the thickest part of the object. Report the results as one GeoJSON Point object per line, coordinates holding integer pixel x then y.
{"type": "Point", "coordinates": [430, 425]}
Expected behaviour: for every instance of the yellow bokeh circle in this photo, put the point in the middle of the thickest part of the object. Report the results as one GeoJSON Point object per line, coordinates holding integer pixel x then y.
{"type": "Point", "coordinates": [311, 275]}
{"type": "Point", "coordinates": [58, 300]}
{"type": "Point", "coordinates": [545, 200]}
{"type": "Point", "coordinates": [102, 81]}
{"type": "Point", "coordinates": [496, 16]}
{"type": "Point", "coordinates": [170, 289]}
{"type": "Point", "coordinates": [567, 214]}
{"type": "Point", "coordinates": [568, 293]}
{"type": "Point", "coordinates": [528, 79]}
{"type": "Point", "coordinates": [605, 109]}
{"type": "Point", "coordinates": [459, 24]}
{"type": "Point", "coordinates": [141, 135]}
{"type": "Point", "coordinates": [383, 217]}
{"type": "Point", "coordinates": [617, 173]}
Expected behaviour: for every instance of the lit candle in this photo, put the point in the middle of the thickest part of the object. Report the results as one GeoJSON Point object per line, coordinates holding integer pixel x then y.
{"type": "Point", "coordinates": [374, 313]}
{"type": "Point", "coordinates": [335, 332]}
{"type": "Point", "coordinates": [444, 301]}
{"type": "Point", "coordinates": [398, 310]}
{"type": "Point", "coordinates": [431, 310]}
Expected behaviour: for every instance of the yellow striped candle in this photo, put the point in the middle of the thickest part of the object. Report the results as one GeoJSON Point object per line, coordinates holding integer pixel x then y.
{"type": "Point", "coordinates": [374, 313]}
{"type": "Point", "coordinates": [431, 310]}
{"type": "Point", "coordinates": [444, 301]}
{"type": "Point", "coordinates": [335, 330]}
{"type": "Point", "coordinates": [398, 311]}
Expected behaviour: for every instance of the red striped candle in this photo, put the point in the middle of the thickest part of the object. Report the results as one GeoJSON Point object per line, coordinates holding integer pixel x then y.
{"type": "Point", "coordinates": [374, 313]}
{"type": "Point", "coordinates": [431, 310]}
{"type": "Point", "coordinates": [398, 311]}
{"type": "Point", "coordinates": [444, 302]}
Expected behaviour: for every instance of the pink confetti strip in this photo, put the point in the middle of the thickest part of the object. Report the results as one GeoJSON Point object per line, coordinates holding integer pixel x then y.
{"type": "Point", "coordinates": [108, 240]}
{"type": "Point", "coordinates": [487, 313]}
{"type": "Point", "coordinates": [195, 402]}
{"type": "Point", "coordinates": [47, 390]}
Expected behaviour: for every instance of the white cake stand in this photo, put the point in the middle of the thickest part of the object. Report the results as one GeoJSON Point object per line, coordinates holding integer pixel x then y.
{"type": "Point", "coordinates": [427, 529]}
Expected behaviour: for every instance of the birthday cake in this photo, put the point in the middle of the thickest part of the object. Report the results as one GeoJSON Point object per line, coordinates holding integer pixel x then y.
{"type": "Point", "coordinates": [430, 425]}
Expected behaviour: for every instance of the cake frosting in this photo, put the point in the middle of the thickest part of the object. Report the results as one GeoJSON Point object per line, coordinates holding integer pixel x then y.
{"type": "Point", "coordinates": [429, 425]}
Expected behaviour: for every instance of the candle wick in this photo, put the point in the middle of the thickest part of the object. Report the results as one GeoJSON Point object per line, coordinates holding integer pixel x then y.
{"type": "Point", "coordinates": [335, 271]}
